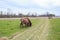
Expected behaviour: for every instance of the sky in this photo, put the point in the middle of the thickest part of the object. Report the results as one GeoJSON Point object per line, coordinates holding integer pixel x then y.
{"type": "Point", "coordinates": [32, 6]}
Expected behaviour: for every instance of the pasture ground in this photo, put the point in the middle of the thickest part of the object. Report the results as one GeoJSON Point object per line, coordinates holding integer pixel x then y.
{"type": "Point", "coordinates": [42, 29]}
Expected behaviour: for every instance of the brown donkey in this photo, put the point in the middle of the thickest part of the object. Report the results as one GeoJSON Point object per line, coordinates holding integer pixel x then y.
{"type": "Point", "coordinates": [25, 22]}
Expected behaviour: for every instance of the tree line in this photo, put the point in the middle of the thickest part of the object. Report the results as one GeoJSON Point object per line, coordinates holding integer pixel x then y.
{"type": "Point", "coordinates": [8, 15]}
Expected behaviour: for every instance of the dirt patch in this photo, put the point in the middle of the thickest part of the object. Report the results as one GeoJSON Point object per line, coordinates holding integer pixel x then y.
{"type": "Point", "coordinates": [4, 38]}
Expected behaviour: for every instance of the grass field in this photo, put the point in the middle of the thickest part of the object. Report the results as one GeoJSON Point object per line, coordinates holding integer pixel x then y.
{"type": "Point", "coordinates": [55, 29]}
{"type": "Point", "coordinates": [38, 31]}
{"type": "Point", "coordinates": [9, 27]}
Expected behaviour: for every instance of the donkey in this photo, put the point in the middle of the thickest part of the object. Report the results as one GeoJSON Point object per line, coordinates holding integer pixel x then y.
{"type": "Point", "coordinates": [25, 22]}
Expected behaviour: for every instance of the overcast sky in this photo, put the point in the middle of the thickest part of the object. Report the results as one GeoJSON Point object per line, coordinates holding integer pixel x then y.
{"type": "Point", "coordinates": [25, 6]}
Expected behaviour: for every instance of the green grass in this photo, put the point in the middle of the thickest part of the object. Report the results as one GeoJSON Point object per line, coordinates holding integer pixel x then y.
{"type": "Point", "coordinates": [9, 27]}
{"type": "Point", "coordinates": [55, 29]}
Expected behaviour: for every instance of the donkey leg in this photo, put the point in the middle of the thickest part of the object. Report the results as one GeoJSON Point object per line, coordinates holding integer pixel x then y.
{"type": "Point", "coordinates": [30, 24]}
